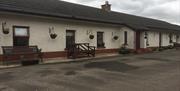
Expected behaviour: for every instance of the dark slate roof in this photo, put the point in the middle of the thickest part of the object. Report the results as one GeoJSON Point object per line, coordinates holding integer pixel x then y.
{"type": "Point", "coordinates": [57, 8]}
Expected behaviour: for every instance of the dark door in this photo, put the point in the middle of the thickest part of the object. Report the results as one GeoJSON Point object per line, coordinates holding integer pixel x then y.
{"type": "Point", "coordinates": [70, 38]}
{"type": "Point", "coordinates": [137, 40]}
{"type": "Point", "coordinates": [100, 40]}
{"type": "Point", "coordinates": [125, 38]}
{"type": "Point", "coordinates": [160, 39]}
{"type": "Point", "coordinates": [20, 36]}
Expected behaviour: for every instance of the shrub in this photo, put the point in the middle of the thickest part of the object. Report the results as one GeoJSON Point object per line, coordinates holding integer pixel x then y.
{"type": "Point", "coordinates": [124, 50]}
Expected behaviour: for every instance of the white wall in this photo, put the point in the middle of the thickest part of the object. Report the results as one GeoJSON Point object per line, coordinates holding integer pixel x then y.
{"type": "Point", "coordinates": [165, 39]}
{"type": "Point", "coordinates": [39, 32]}
{"type": "Point", "coordinates": [153, 39]}
{"type": "Point", "coordinates": [131, 37]}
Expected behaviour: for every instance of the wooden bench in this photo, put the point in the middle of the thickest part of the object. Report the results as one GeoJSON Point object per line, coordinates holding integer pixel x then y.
{"type": "Point", "coordinates": [21, 54]}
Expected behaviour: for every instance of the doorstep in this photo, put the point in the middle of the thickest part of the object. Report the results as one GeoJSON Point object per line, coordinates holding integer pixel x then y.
{"type": "Point", "coordinates": [64, 60]}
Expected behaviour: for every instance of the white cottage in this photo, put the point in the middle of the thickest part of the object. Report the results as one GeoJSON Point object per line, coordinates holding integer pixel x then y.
{"type": "Point", "coordinates": [53, 24]}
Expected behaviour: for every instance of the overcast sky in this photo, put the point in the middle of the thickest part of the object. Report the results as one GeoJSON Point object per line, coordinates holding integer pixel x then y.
{"type": "Point", "coordinates": [168, 10]}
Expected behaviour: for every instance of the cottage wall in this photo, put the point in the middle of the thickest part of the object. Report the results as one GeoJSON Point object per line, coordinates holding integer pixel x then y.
{"type": "Point", "coordinates": [153, 39]}
{"type": "Point", "coordinates": [39, 32]}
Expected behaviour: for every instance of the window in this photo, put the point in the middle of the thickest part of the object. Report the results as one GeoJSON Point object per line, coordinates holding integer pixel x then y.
{"type": "Point", "coordinates": [70, 38]}
{"type": "Point", "coordinates": [125, 38]}
{"type": "Point", "coordinates": [20, 36]}
{"type": "Point", "coordinates": [100, 40]}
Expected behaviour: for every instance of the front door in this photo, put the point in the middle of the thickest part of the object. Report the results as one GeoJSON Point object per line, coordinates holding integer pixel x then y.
{"type": "Point", "coordinates": [70, 38]}
{"type": "Point", "coordinates": [160, 39]}
{"type": "Point", "coordinates": [20, 36]}
{"type": "Point", "coordinates": [138, 40]}
{"type": "Point", "coordinates": [100, 40]}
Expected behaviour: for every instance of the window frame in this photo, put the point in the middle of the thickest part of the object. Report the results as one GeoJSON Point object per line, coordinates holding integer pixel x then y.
{"type": "Point", "coordinates": [14, 29]}
{"type": "Point", "coordinates": [23, 37]}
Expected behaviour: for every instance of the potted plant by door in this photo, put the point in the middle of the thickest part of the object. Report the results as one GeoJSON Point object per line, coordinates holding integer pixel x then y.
{"type": "Point", "coordinates": [124, 49]}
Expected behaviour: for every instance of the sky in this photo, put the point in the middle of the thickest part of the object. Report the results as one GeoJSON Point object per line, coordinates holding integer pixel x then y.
{"type": "Point", "coordinates": [167, 10]}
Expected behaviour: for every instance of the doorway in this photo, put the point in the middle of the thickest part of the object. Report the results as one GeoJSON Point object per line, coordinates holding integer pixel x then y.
{"type": "Point", "coordinates": [70, 38]}
{"type": "Point", "coordinates": [138, 40]}
{"type": "Point", "coordinates": [160, 39]}
{"type": "Point", "coordinates": [100, 40]}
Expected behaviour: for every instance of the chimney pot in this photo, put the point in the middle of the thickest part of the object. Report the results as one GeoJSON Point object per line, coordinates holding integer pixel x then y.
{"type": "Point", "coordinates": [106, 6]}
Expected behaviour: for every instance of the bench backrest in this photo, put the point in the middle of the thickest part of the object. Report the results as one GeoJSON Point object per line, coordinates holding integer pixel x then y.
{"type": "Point", "coordinates": [10, 50]}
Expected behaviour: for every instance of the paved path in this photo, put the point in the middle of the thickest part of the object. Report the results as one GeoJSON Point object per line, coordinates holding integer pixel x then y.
{"type": "Point", "coordinates": [148, 72]}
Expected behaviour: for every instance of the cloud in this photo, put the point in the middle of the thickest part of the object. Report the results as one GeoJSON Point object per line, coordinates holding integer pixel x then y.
{"type": "Point", "coordinates": [167, 10]}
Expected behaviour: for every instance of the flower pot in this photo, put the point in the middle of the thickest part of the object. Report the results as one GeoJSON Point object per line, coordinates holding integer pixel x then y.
{"type": "Point", "coordinates": [53, 36]}
{"type": "Point", "coordinates": [5, 31]}
{"type": "Point", "coordinates": [91, 36]}
{"type": "Point", "coordinates": [115, 37]}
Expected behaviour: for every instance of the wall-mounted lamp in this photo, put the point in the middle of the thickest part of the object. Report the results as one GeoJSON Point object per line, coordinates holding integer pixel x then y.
{"type": "Point", "coordinates": [52, 34]}
{"type": "Point", "coordinates": [145, 35]}
{"type": "Point", "coordinates": [5, 30]}
{"type": "Point", "coordinates": [89, 32]}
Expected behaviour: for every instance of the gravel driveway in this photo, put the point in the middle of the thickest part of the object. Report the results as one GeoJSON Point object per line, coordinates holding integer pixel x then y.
{"type": "Point", "coordinates": [148, 72]}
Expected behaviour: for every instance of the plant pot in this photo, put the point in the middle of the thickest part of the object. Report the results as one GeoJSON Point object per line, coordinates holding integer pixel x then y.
{"type": "Point", "coordinates": [124, 51]}
{"type": "Point", "coordinates": [5, 31]}
{"type": "Point", "coordinates": [91, 36]}
{"type": "Point", "coordinates": [53, 36]}
{"type": "Point", "coordinates": [115, 37]}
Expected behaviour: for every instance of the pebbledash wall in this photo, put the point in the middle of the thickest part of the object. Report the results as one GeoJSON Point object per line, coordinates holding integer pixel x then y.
{"type": "Point", "coordinates": [153, 39]}
{"type": "Point", "coordinates": [39, 33]}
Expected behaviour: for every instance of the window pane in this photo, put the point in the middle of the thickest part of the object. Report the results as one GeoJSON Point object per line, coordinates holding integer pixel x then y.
{"type": "Point", "coordinates": [21, 32]}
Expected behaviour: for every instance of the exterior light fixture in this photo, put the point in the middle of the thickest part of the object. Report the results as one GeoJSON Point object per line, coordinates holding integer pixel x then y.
{"type": "Point", "coordinates": [146, 35]}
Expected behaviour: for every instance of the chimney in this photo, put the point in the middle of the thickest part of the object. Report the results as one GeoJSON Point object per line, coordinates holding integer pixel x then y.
{"type": "Point", "coordinates": [106, 6]}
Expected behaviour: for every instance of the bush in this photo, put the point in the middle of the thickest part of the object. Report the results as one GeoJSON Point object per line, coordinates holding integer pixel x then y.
{"type": "Point", "coordinates": [124, 50]}
{"type": "Point", "coordinates": [170, 47]}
